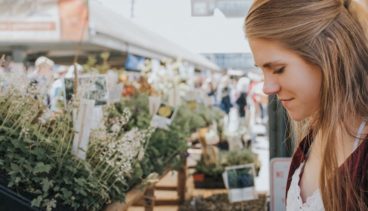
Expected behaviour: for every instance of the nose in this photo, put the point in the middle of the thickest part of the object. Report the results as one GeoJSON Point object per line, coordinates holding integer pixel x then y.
{"type": "Point", "coordinates": [270, 87]}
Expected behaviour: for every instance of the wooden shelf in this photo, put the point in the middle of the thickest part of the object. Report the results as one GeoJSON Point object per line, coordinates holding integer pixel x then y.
{"type": "Point", "coordinates": [145, 195]}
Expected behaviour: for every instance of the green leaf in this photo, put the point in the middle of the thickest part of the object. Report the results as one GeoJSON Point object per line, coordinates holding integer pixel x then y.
{"type": "Point", "coordinates": [81, 191]}
{"type": "Point", "coordinates": [47, 184]}
{"type": "Point", "coordinates": [16, 143]}
{"type": "Point", "coordinates": [15, 167]}
{"type": "Point", "coordinates": [50, 204]}
{"type": "Point", "coordinates": [17, 180]}
{"type": "Point", "coordinates": [66, 194]}
{"type": "Point", "coordinates": [37, 202]}
{"type": "Point", "coordinates": [42, 168]}
{"type": "Point", "coordinates": [80, 181]}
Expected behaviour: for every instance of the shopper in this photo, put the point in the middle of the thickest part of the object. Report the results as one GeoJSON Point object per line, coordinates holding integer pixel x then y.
{"type": "Point", "coordinates": [242, 103]}
{"type": "Point", "coordinates": [42, 79]}
{"type": "Point", "coordinates": [225, 103]}
{"type": "Point", "coordinates": [314, 57]}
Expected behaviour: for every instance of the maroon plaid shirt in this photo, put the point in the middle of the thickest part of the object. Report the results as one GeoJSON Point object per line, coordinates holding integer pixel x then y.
{"type": "Point", "coordinates": [356, 164]}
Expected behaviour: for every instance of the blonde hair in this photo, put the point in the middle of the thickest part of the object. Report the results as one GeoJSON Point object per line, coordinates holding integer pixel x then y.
{"type": "Point", "coordinates": [333, 35]}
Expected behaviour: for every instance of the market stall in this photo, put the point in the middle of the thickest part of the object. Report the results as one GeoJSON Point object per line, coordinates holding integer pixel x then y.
{"type": "Point", "coordinates": [45, 27]}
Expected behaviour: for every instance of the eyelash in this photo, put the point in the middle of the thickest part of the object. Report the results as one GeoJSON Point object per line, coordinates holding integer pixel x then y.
{"type": "Point", "coordinates": [279, 71]}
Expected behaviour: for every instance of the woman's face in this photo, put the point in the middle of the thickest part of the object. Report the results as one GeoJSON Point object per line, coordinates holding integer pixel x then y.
{"type": "Point", "coordinates": [296, 82]}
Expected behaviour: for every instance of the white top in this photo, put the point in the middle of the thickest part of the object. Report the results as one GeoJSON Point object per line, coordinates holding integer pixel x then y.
{"type": "Point", "coordinates": [313, 202]}
{"type": "Point", "coordinates": [294, 200]}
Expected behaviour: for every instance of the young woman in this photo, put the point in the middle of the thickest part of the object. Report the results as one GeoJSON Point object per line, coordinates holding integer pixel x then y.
{"type": "Point", "coordinates": [314, 57]}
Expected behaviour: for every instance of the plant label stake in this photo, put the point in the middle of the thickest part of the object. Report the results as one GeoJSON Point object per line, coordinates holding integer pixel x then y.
{"type": "Point", "coordinates": [82, 128]}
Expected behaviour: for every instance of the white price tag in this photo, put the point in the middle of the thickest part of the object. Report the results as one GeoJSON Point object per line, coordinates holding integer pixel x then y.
{"type": "Point", "coordinates": [82, 126]}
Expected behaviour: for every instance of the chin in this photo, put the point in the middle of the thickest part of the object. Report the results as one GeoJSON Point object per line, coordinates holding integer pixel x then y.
{"type": "Point", "coordinates": [296, 117]}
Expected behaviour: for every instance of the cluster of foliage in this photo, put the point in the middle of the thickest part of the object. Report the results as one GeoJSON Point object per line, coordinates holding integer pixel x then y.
{"type": "Point", "coordinates": [166, 148]}
{"type": "Point", "coordinates": [36, 159]}
{"type": "Point", "coordinates": [228, 158]}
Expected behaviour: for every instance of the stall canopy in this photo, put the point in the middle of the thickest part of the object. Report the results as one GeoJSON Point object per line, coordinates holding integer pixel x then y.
{"type": "Point", "coordinates": [63, 26]}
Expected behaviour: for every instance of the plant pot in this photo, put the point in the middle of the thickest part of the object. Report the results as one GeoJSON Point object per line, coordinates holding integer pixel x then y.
{"type": "Point", "coordinates": [202, 181]}
{"type": "Point", "coordinates": [10, 200]}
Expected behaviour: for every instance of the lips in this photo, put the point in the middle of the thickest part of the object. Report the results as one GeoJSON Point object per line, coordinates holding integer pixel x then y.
{"type": "Point", "coordinates": [286, 101]}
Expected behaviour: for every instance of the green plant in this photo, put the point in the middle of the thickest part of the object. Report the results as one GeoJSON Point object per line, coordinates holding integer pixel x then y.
{"type": "Point", "coordinates": [138, 106]}
{"type": "Point", "coordinates": [115, 153]}
{"type": "Point", "coordinates": [213, 169]}
{"type": "Point", "coordinates": [166, 148]}
{"type": "Point", "coordinates": [36, 159]}
{"type": "Point", "coordinates": [228, 158]}
{"type": "Point", "coordinates": [243, 156]}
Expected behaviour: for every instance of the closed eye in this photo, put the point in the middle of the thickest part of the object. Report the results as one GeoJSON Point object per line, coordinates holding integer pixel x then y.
{"type": "Point", "coordinates": [279, 71]}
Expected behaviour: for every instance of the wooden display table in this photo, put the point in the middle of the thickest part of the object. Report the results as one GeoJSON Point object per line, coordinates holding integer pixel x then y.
{"type": "Point", "coordinates": [147, 193]}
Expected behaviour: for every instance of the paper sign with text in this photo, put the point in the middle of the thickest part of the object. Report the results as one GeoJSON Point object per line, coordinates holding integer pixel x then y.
{"type": "Point", "coordinates": [240, 182]}
{"type": "Point", "coordinates": [164, 116]}
{"type": "Point", "coordinates": [93, 87]}
{"type": "Point", "coordinates": [279, 172]}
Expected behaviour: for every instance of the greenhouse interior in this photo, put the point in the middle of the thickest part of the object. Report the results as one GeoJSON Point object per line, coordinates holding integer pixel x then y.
{"type": "Point", "coordinates": [129, 105]}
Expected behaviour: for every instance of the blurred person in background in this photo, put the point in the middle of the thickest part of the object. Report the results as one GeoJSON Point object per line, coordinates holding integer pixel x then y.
{"type": "Point", "coordinates": [57, 90]}
{"type": "Point", "coordinates": [210, 90]}
{"type": "Point", "coordinates": [314, 57]}
{"type": "Point", "coordinates": [42, 78]}
{"type": "Point", "coordinates": [225, 103]}
{"type": "Point", "coordinates": [242, 92]}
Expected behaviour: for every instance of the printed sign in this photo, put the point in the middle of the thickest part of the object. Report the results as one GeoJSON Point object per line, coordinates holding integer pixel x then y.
{"type": "Point", "coordinates": [240, 182]}
{"type": "Point", "coordinates": [29, 20]}
{"type": "Point", "coordinates": [43, 20]}
{"type": "Point", "coordinates": [279, 172]}
{"type": "Point", "coordinates": [92, 87]}
{"type": "Point", "coordinates": [164, 116]}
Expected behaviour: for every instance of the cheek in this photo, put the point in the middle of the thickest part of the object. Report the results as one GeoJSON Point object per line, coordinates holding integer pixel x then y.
{"type": "Point", "coordinates": [310, 88]}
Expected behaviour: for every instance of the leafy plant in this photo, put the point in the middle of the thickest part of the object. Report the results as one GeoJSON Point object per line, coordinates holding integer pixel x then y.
{"type": "Point", "coordinates": [36, 159]}
{"type": "Point", "coordinates": [239, 157]}
{"type": "Point", "coordinates": [114, 152]}
{"type": "Point", "coordinates": [228, 158]}
{"type": "Point", "coordinates": [165, 149]}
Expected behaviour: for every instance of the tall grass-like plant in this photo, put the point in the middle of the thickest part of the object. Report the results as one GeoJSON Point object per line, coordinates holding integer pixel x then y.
{"type": "Point", "coordinates": [36, 159]}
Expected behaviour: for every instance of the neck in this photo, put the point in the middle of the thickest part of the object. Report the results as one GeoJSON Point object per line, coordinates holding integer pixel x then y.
{"type": "Point", "coordinates": [345, 138]}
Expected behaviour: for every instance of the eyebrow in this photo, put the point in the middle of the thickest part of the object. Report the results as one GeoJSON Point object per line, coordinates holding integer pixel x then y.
{"type": "Point", "coordinates": [268, 64]}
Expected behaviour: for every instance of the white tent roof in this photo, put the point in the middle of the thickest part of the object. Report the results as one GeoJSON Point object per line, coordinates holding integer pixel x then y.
{"type": "Point", "coordinates": [114, 31]}
{"type": "Point", "coordinates": [108, 30]}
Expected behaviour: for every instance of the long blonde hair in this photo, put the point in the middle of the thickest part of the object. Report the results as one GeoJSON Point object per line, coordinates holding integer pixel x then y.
{"type": "Point", "coordinates": [333, 35]}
